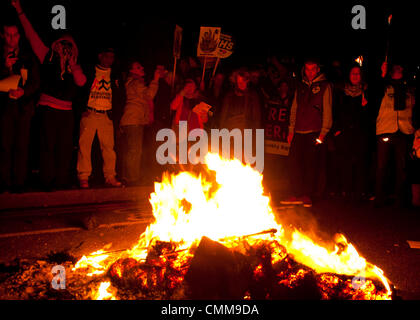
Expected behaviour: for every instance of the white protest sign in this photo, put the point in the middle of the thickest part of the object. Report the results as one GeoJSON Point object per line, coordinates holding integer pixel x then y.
{"type": "Point", "coordinates": [9, 83]}
{"type": "Point", "coordinates": [225, 48]}
{"type": "Point", "coordinates": [208, 41]}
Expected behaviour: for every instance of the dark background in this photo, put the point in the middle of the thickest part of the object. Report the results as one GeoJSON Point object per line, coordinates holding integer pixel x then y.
{"type": "Point", "coordinates": [145, 29]}
{"type": "Point", "coordinates": [295, 28]}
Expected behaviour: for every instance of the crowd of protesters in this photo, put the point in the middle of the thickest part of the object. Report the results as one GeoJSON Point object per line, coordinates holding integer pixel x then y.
{"type": "Point", "coordinates": [344, 137]}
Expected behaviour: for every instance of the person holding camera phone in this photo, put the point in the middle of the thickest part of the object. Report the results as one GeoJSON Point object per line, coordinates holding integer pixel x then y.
{"type": "Point", "coordinates": [61, 76]}
{"type": "Point", "coordinates": [160, 119]}
{"type": "Point", "coordinates": [138, 113]}
{"type": "Point", "coordinates": [17, 108]}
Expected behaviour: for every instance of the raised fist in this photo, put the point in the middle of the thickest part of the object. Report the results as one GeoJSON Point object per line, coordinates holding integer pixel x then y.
{"type": "Point", "coordinates": [16, 5]}
{"type": "Point", "coordinates": [158, 74]}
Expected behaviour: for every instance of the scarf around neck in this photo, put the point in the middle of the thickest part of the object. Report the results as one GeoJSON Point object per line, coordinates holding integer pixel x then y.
{"type": "Point", "coordinates": [353, 90]}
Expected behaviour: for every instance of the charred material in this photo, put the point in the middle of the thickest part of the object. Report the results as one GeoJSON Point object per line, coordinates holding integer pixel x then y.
{"type": "Point", "coordinates": [241, 268]}
{"type": "Point", "coordinates": [157, 276]}
{"type": "Point", "coordinates": [217, 272]}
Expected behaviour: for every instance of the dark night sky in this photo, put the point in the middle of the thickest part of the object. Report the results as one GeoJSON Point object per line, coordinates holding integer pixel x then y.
{"type": "Point", "coordinates": [259, 27]}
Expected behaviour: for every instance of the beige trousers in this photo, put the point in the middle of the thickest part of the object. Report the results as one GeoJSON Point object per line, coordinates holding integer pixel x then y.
{"type": "Point", "coordinates": [90, 124]}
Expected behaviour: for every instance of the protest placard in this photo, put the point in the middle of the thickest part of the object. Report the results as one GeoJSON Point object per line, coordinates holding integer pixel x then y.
{"type": "Point", "coordinates": [208, 42]}
{"type": "Point", "coordinates": [224, 50]}
{"type": "Point", "coordinates": [276, 128]}
{"type": "Point", "coordinates": [9, 83]}
{"type": "Point", "coordinates": [225, 47]}
{"type": "Point", "coordinates": [177, 42]}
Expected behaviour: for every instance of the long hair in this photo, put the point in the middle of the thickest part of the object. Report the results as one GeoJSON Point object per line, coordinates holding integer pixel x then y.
{"type": "Point", "coordinates": [353, 65]}
{"type": "Point", "coordinates": [65, 48]}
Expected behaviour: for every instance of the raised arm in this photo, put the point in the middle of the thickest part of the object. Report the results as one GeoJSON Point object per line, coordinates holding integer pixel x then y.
{"type": "Point", "coordinates": [152, 89]}
{"type": "Point", "coordinates": [78, 76]}
{"type": "Point", "coordinates": [177, 102]}
{"type": "Point", "coordinates": [154, 85]}
{"type": "Point", "coordinates": [39, 48]}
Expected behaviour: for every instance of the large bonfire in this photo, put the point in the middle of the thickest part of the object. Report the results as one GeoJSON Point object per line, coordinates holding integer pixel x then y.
{"type": "Point", "coordinates": [226, 211]}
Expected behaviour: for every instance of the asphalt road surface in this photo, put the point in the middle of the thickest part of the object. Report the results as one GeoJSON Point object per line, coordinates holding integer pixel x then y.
{"type": "Point", "coordinates": [380, 235]}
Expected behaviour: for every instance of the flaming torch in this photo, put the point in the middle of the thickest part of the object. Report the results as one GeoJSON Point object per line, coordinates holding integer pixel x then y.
{"type": "Point", "coordinates": [359, 60]}
{"type": "Point", "coordinates": [388, 40]}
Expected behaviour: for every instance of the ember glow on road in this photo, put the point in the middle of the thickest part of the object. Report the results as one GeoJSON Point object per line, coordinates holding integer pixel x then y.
{"type": "Point", "coordinates": [216, 230]}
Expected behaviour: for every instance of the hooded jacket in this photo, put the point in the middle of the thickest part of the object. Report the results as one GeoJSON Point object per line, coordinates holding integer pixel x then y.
{"type": "Point", "coordinates": [312, 106]}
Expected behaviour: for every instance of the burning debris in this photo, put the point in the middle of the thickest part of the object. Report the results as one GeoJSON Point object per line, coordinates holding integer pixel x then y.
{"type": "Point", "coordinates": [211, 242]}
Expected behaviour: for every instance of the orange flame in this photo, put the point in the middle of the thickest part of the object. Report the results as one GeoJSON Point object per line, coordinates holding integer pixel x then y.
{"type": "Point", "coordinates": [187, 207]}
{"type": "Point", "coordinates": [359, 60]}
{"type": "Point", "coordinates": [103, 293]}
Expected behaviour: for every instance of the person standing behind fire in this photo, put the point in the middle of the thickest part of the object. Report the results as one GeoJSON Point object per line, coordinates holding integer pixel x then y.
{"type": "Point", "coordinates": [60, 78]}
{"type": "Point", "coordinates": [103, 88]}
{"type": "Point", "coordinates": [161, 119]}
{"type": "Point", "coordinates": [394, 132]}
{"type": "Point", "coordinates": [136, 115]}
{"type": "Point", "coordinates": [215, 94]}
{"type": "Point", "coordinates": [310, 121]}
{"type": "Point", "coordinates": [183, 105]}
{"type": "Point", "coordinates": [241, 107]}
{"type": "Point", "coordinates": [16, 109]}
{"type": "Point", "coordinates": [351, 134]}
